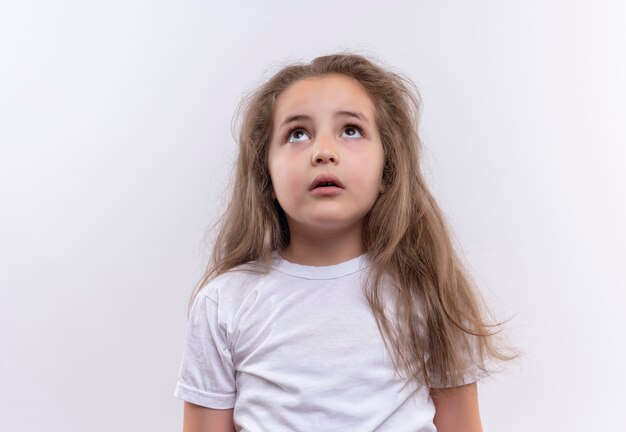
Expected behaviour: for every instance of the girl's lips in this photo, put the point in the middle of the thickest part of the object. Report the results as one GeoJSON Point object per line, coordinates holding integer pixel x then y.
{"type": "Point", "coordinates": [325, 178]}
{"type": "Point", "coordinates": [326, 191]}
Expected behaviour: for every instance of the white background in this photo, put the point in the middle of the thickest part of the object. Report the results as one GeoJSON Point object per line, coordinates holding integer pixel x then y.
{"type": "Point", "coordinates": [115, 149]}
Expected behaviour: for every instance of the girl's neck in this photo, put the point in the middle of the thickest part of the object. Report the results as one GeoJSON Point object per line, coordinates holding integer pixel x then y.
{"type": "Point", "coordinates": [323, 249]}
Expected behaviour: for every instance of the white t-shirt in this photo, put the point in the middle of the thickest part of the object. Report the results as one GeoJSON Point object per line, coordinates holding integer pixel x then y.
{"type": "Point", "coordinates": [296, 349]}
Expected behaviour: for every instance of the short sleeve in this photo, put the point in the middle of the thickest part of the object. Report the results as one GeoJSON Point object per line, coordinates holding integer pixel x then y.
{"type": "Point", "coordinates": [207, 374]}
{"type": "Point", "coordinates": [471, 361]}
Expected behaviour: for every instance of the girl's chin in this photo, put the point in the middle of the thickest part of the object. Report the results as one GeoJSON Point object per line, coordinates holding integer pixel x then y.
{"type": "Point", "coordinates": [330, 224]}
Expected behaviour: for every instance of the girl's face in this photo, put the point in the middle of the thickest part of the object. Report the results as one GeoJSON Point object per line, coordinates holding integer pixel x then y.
{"type": "Point", "coordinates": [325, 157]}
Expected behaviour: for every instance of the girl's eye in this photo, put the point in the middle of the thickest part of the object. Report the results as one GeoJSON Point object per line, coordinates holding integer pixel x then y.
{"type": "Point", "coordinates": [297, 135]}
{"type": "Point", "coordinates": [353, 132]}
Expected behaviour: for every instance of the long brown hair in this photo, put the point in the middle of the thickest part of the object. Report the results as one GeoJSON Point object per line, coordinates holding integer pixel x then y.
{"type": "Point", "coordinates": [439, 329]}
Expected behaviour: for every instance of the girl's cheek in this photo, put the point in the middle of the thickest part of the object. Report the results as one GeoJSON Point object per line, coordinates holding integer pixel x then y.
{"type": "Point", "coordinates": [294, 191]}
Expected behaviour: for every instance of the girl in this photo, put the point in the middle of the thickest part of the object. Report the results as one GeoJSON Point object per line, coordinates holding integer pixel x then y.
{"type": "Point", "coordinates": [334, 299]}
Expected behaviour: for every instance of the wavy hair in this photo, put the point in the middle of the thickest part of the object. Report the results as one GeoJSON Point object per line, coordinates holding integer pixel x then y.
{"type": "Point", "coordinates": [439, 329]}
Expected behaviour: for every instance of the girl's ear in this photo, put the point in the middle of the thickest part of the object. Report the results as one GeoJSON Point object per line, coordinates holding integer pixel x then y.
{"type": "Point", "coordinates": [273, 194]}
{"type": "Point", "coordinates": [382, 188]}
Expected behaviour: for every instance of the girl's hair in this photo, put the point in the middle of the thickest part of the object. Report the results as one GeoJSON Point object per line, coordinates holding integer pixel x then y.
{"type": "Point", "coordinates": [439, 326]}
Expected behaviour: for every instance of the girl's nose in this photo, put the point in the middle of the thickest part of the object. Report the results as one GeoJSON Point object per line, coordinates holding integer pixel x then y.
{"type": "Point", "coordinates": [324, 153]}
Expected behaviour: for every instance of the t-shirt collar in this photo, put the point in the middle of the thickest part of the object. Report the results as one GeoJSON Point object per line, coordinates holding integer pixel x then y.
{"type": "Point", "coordinates": [333, 271]}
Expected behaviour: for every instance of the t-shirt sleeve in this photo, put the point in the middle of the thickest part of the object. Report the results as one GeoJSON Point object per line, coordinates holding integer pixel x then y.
{"type": "Point", "coordinates": [474, 368]}
{"type": "Point", "coordinates": [207, 373]}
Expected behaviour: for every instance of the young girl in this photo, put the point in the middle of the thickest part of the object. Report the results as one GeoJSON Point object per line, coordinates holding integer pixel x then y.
{"type": "Point", "coordinates": [335, 300]}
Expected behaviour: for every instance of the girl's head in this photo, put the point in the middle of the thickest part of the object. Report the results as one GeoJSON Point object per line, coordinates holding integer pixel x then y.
{"type": "Point", "coordinates": [380, 113]}
{"type": "Point", "coordinates": [325, 157]}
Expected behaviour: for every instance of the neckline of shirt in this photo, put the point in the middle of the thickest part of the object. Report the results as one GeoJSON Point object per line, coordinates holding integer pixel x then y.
{"type": "Point", "coordinates": [333, 271]}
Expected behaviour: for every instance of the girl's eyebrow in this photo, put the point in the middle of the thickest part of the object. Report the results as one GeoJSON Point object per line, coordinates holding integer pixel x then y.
{"type": "Point", "coordinates": [352, 114]}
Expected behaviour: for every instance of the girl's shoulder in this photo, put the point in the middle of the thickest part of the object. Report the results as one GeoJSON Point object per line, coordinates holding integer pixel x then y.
{"type": "Point", "coordinates": [234, 284]}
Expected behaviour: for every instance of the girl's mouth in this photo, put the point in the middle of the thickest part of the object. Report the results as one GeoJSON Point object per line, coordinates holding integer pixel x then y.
{"type": "Point", "coordinates": [326, 181]}
{"type": "Point", "coordinates": [326, 190]}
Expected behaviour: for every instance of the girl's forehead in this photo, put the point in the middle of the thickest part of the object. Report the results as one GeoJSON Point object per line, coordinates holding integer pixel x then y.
{"type": "Point", "coordinates": [333, 92]}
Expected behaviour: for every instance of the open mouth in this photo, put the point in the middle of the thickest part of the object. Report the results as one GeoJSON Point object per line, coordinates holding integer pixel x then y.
{"type": "Point", "coordinates": [326, 180]}
{"type": "Point", "coordinates": [325, 184]}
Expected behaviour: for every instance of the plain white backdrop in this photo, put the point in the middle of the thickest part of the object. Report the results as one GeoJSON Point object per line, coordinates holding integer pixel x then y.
{"type": "Point", "coordinates": [115, 149]}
